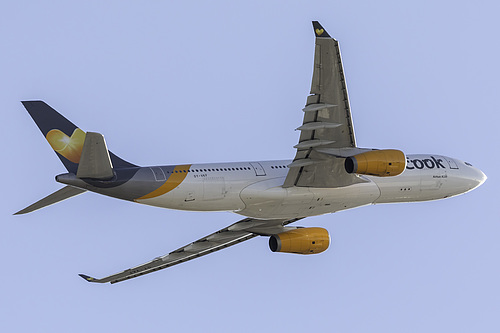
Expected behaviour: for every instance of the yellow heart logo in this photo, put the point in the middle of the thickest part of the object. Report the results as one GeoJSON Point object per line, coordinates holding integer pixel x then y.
{"type": "Point", "coordinates": [69, 147]}
{"type": "Point", "coordinates": [319, 32]}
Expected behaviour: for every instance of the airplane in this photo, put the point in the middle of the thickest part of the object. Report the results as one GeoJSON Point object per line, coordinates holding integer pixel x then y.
{"type": "Point", "coordinates": [329, 173]}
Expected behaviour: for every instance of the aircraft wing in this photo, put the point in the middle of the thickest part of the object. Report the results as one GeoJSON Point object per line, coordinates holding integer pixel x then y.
{"type": "Point", "coordinates": [327, 121]}
{"type": "Point", "coordinates": [234, 234]}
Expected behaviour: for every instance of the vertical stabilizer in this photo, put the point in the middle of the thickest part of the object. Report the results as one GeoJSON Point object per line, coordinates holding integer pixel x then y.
{"type": "Point", "coordinates": [64, 137]}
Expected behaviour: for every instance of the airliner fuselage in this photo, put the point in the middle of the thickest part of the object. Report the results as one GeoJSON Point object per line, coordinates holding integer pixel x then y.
{"type": "Point", "coordinates": [255, 189]}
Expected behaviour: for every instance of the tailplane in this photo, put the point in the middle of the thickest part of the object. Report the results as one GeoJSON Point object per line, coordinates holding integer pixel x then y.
{"type": "Point", "coordinates": [95, 161]}
{"type": "Point", "coordinates": [60, 195]}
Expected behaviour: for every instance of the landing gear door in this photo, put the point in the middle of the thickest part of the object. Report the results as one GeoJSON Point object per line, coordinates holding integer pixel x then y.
{"type": "Point", "coordinates": [259, 170]}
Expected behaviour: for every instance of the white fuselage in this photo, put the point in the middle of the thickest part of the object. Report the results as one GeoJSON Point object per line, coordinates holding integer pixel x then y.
{"type": "Point", "coordinates": [255, 189]}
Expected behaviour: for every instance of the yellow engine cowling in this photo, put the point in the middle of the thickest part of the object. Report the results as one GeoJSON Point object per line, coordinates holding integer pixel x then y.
{"type": "Point", "coordinates": [301, 241]}
{"type": "Point", "coordinates": [382, 163]}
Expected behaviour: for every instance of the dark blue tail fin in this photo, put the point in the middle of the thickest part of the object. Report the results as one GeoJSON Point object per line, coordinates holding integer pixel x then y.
{"type": "Point", "coordinates": [63, 136]}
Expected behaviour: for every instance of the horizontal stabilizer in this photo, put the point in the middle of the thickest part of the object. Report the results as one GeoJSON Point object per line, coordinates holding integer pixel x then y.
{"type": "Point", "coordinates": [60, 195]}
{"type": "Point", "coordinates": [94, 161]}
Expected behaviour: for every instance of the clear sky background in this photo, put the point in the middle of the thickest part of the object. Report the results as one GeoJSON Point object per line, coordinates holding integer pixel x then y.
{"type": "Point", "coordinates": [213, 81]}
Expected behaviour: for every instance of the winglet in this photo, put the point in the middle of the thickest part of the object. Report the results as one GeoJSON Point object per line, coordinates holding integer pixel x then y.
{"type": "Point", "coordinates": [88, 278]}
{"type": "Point", "coordinates": [319, 31]}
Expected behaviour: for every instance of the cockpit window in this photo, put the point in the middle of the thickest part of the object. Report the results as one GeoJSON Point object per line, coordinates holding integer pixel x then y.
{"type": "Point", "coordinates": [467, 163]}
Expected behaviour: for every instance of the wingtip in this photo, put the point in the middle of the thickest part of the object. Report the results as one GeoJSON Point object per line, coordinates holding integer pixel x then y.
{"type": "Point", "coordinates": [22, 211]}
{"type": "Point", "coordinates": [88, 278]}
{"type": "Point", "coordinates": [319, 31]}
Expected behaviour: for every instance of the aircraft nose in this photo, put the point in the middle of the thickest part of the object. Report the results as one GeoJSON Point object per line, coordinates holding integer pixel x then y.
{"type": "Point", "coordinates": [480, 177]}
{"type": "Point", "coordinates": [475, 178]}
{"type": "Point", "coordinates": [465, 179]}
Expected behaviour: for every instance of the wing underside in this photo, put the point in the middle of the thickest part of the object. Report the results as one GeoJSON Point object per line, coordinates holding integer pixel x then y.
{"type": "Point", "coordinates": [327, 124]}
{"type": "Point", "coordinates": [234, 234]}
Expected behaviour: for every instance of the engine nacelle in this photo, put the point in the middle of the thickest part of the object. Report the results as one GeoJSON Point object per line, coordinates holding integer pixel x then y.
{"type": "Point", "coordinates": [382, 163]}
{"type": "Point", "coordinates": [301, 241]}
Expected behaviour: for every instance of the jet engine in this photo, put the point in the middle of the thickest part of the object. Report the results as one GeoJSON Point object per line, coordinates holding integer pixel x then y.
{"type": "Point", "coordinates": [300, 241]}
{"type": "Point", "coordinates": [381, 163]}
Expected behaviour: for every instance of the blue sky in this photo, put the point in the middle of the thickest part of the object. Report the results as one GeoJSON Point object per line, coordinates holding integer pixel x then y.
{"type": "Point", "coordinates": [226, 81]}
